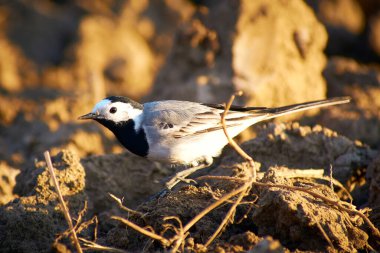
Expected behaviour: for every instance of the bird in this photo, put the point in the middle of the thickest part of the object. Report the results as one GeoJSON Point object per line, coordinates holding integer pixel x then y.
{"type": "Point", "coordinates": [183, 132]}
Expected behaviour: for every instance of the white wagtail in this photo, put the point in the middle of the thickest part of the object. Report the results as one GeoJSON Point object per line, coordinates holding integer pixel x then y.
{"type": "Point", "coordinates": [182, 132]}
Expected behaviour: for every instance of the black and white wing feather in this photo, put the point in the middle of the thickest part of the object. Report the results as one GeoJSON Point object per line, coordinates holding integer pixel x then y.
{"type": "Point", "coordinates": [182, 118]}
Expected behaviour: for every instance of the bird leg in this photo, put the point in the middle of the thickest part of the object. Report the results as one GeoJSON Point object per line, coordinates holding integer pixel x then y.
{"type": "Point", "coordinates": [181, 176]}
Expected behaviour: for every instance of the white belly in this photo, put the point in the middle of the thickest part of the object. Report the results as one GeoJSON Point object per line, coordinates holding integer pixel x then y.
{"type": "Point", "coordinates": [188, 149]}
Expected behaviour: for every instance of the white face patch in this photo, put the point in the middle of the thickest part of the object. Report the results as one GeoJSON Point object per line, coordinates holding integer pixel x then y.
{"type": "Point", "coordinates": [118, 111]}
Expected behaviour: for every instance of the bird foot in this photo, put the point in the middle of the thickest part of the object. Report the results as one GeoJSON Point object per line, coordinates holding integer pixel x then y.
{"type": "Point", "coordinates": [181, 176]}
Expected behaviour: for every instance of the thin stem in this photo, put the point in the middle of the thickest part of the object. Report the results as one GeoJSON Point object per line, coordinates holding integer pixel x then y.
{"type": "Point", "coordinates": [228, 215]}
{"type": "Point", "coordinates": [231, 141]}
{"type": "Point", "coordinates": [63, 204]}
{"type": "Point", "coordinates": [152, 235]}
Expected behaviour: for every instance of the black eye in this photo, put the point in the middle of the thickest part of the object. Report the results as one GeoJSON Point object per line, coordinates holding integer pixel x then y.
{"type": "Point", "coordinates": [113, 110]}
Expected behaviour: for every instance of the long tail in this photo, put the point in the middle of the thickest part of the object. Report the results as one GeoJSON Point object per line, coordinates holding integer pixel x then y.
{"type": "Point", "coordinates": [279, 111]}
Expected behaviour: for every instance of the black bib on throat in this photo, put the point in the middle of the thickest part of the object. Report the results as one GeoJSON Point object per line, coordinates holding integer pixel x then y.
{"type": "Point", "coordinates": [125, 132]}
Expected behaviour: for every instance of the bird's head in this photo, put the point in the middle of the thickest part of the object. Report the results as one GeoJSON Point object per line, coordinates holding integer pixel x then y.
{"type": "Point", "coordinates": [114, 109]}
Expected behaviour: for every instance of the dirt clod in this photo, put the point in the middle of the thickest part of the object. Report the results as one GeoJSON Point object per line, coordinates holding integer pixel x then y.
{"type": "Point", "coordinates": [31, 223]}
{"type": "Point", "coordinates": [296, 216]}
{"type": "Point", "coordinates": [303, 147]}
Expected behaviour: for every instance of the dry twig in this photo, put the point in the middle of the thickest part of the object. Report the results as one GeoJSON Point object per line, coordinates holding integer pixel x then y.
{"type": "Point", "coordinates": [62, 202]}
{"type": "Point", "coordinates": [79, 226]}
{"type": "Point", "coordinates": [319, 226]}
{"type": "Point", "coordinates": [143, 231]}
{"type": "Point", "coordinates": [331, 178]}
{"type": "Point", "coordinates": [85, 224]}
{"type": "Point", "coordinates": [247, 186]}
{"type": "Point", "coordinates": [94, 246]}
{"type": "Point", "coordinates": [121, 206]}
{"type": "Point", "coordinates": [230, 214]}
{"type": "Point", "coordinates": [231, 141]}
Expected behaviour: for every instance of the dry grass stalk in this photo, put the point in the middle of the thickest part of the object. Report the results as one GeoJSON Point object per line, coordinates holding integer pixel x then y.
{"type": "Point", "coordinates": [331, 177]}
{"type": "Point", "coordinates": [291, 175]}
{"type": "Point", "coordinates": [165, 242]}
{"type": "Point", "coordinates": [89, 245]}
{"type": "Point", "coordinates": [324, 234]}
{"type": "Point", "coordinates": [230, 214]}
{"type": "Point", "coordinates": [79, 226]}
{"type": "Point", "coordinates": [231, 141]}
{"type": "Point", "coordinates": [121, 206]}
{"type": "Point", "coordinates": [62, 202]}
{"type": "Point", "coordinates": [247, 186]}
{"type": "Point", "coordinates": [169, 226]}
{"type": "Point", "coordinates": [85, 224]}
{"type": "Point", "coordinates": [238, 179]}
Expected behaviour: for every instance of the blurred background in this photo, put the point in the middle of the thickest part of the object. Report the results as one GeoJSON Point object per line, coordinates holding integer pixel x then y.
{"type": "Point", "coordinates": [59, 57]}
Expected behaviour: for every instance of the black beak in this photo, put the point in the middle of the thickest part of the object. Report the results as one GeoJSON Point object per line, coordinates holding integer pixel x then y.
{"type": "Point", "coordinates": [90, 115]}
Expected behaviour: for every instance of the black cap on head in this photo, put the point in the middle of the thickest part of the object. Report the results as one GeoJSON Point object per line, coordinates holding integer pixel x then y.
{"type": "Point", "coordinates": [125, 100]}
